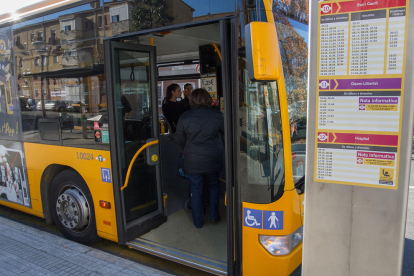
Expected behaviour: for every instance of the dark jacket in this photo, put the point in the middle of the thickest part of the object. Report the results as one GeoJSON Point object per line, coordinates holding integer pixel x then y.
{"type": "Point", "coordinates": [199, 133]}
{"type": "Point", "coordinates": [172, 112]}
{"type": "Point", "coordinates": [186, 103]}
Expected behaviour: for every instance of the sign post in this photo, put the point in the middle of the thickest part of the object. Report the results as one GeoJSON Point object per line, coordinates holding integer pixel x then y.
{"type": "Point", "coordinates": [359, 137]}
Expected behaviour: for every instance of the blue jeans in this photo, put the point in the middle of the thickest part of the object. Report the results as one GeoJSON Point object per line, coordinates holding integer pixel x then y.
{"type": "Point", "coordinates": [212, 180]}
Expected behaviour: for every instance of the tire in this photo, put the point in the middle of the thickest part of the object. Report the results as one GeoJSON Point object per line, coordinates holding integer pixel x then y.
{"type": "Point", "coordinates": [76, 223]}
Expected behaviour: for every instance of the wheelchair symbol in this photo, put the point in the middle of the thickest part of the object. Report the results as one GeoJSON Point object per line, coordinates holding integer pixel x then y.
{"type": "Point", "coordinates": [250, 218]}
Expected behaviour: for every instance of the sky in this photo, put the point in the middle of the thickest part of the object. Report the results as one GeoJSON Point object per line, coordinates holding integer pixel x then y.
{"type": "Point", "coordinates": [212, 6]}
{"type": "Point", "coordinates": [12, 5]}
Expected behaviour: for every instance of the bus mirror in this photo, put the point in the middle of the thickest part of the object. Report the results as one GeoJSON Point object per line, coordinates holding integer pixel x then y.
{"type": "Point", "coordinates": [262, 51]}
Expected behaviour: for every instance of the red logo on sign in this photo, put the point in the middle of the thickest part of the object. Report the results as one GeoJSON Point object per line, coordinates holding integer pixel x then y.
{"type": "Point", "coordinates": [95, 125]}
{"type": "Point", "coordinates": [322, 137]}
{"type": "Point", "coordinates": [360, 161]}
{"type": "Point", "coordinates": [293, 155]}
{"type": "Point", "coordinates": [326, 8]}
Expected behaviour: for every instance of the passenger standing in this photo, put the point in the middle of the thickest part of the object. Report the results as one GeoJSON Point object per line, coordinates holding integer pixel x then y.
{"type": "Point", "coordinates": [171, 108]}
{"type": "Point", "coordinates": [188, 89]}
{"type": "Point", "coordinates": [199, 134]}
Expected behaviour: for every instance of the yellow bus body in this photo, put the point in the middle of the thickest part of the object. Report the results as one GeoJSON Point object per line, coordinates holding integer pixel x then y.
{"type": "Point", "coordinates": [256, 260]}
{"type": "Point", "coordinates": [40, 156]}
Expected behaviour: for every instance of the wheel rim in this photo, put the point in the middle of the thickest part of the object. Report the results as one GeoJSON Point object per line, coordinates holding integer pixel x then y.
{"type": "Point", "coordinates": [72, 209]}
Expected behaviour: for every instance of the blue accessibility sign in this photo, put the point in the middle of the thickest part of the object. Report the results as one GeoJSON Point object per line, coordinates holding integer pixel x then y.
{"type": "Point", "coordinates": [273, 220]}
{"type": "Point", "coordinates": [106, 175]}
{"type": "Point", "coordinates": [252, 218]}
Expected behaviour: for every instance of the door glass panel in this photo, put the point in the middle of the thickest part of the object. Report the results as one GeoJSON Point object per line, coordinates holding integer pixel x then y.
{"type": "Point", "coordinates": [133, 105]}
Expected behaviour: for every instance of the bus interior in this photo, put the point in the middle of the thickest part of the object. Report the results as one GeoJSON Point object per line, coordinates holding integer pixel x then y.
{"type": "Point", "coordinates": [183, 56]}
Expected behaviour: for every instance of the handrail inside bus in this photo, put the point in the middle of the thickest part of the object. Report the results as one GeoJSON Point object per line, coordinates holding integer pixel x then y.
{"type": "Point", "coordinates": [133, 160]}
{"type": "Point", "coordinates": [216, 49]}
{"type": "Point", "coordinates": [162, 127]}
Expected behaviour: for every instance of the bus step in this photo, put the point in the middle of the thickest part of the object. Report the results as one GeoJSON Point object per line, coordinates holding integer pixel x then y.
{"type": "Point", "coordinates": [180, 256]}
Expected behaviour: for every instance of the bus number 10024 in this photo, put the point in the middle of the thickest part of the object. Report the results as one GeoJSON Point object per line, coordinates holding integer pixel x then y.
{"type": "Point", "coordinates": [84, 156]}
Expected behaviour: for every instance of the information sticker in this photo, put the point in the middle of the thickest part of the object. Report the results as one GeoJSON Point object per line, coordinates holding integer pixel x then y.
{"type": "Point", "coordinates": [210, 84]}
{"type": "Point", "coordinates": [361, 66]}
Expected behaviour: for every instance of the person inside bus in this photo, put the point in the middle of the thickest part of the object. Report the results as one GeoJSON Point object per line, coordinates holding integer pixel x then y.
{"type": "Point", "coordinates": [199, 133]}
{"type": "Point", "coordinates": [171, 108]}
{"type": "Point", "coordinates": [188, 89]}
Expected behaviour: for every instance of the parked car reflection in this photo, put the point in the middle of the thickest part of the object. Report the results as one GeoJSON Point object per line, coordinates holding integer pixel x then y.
{"type": "Point", "coordinates": [59, 106]}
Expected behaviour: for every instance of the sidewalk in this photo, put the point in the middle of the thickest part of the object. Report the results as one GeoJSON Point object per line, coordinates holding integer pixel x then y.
{"type": "Point", "coordinates": [27, 251]}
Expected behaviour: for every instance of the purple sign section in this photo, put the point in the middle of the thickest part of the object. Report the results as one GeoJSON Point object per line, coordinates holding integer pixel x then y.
{"type": "Point", "coordinates": [378, 100]}
{"type": "Point", "coordinates": [391, 83]}
{"type": "Point", "coordinates": [323, 84]}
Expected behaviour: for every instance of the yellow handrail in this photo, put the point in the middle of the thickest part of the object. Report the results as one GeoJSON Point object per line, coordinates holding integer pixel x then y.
{"type": "Point", "coordinates": [216, 49]}
{"type": "Point", "coordinates": [133, 160]}
{"type": "Point", "coordinates": [162, 127]}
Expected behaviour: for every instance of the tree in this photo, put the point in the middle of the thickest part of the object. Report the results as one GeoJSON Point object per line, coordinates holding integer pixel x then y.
{"type": "Point", "coordinates": [293, 48]}
{"type": "Point", "coordinates": [295, 9]}
{"type": "Point", "coordinates": [150, 14]}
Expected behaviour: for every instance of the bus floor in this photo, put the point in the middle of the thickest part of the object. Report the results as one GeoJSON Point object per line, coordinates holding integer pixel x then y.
{"type": "Point", "coordinates": [178, 237]}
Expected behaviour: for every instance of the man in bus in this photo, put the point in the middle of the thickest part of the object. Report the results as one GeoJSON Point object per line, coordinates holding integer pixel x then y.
{"type": "Point", "coordinates": [188, 89]}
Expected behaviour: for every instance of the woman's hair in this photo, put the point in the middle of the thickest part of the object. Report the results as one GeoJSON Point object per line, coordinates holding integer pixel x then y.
{"type": "Point", "coordinates": [201, 97]}
{"type": "Point", "coordinates": [170, 88]}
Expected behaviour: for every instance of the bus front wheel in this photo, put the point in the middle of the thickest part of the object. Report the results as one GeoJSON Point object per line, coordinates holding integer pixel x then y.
{"type": "Point", "coordinates": [71, 206]}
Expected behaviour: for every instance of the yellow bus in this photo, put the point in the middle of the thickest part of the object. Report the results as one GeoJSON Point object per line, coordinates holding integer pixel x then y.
{"type": "Point", "coordinates": [74, 153]}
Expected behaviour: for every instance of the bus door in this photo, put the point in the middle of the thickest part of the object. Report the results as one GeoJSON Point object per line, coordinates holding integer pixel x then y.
{"type": "Point", "coordinates": [132, 84]}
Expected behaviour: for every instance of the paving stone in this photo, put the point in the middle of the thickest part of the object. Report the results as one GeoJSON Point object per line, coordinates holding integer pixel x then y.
{"type": "Point", "coordinates": [29, 251]}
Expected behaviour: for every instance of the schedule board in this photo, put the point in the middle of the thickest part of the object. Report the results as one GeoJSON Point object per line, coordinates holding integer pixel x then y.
{"type": "Point", "coordinates": [361, 54]}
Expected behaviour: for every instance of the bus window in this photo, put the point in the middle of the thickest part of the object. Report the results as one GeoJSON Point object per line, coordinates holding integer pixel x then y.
{"type": "Point", "coordinates": [261, 147]}
{"type": "Point", "coordinates": [293, 35]}
{"type": "Point", "coordinates": [9, 100]}
{"type": "Point", "coordinates": [80, 105]}
{"type": "Point", "coordinates": [63, 65]}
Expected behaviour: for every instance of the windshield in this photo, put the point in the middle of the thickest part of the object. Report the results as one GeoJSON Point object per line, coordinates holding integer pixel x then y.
{"type": "Point", "coordinates": [293, 42]}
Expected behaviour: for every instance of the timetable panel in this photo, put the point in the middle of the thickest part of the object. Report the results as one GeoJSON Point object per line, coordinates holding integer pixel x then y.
{"type": "Point", "coordinates": [396, 40]}
{"type": "Point", "coordinates": [361, 55]}
{"type": "Point", "coordinates": [334, 45]}
{"type": "Point", "coordinates": [367, 42]}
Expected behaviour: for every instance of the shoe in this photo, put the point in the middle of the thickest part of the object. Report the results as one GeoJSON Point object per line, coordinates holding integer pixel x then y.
{"type": "Point", "coordinates": [188, 204]}
{"type": "Point", "coordinates": [217, 220]}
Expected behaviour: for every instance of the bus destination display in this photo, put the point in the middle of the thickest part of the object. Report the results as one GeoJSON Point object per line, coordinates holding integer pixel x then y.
{"type": "Point", "coordinates": [361, 55]}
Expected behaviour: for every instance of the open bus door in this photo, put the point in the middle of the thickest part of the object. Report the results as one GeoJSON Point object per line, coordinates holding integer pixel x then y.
{"type": "Point", "coordinates": [131, 87]}
{"type": "Point", "coordinates": [131, 71]}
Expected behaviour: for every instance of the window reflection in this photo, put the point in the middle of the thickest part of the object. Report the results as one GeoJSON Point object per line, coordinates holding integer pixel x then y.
{"type": "Point", "coordinates": [292, 30]}
{"type": "Point", "coordinates": [60, 61]}
{"type": "Point", "coordinates": [9, 102]}
{"type": "Point", "coordinates": [59, 58]}
{"type": "Point", "coordinates": [129, 16]}
{"type": "Point", "coordinates": [261, 147]}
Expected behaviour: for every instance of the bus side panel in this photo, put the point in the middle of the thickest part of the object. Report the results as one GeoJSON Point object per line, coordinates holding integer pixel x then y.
{"type": "Point", "coordinates": [34, 193]}
{"type": "Point", "coordinates": [256, 260]}
{"type": "Point", "coordinates": [89, 164]}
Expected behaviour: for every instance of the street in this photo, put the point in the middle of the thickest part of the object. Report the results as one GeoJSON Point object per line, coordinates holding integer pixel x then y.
{"type": "Point", "coordinates": [178, 269]}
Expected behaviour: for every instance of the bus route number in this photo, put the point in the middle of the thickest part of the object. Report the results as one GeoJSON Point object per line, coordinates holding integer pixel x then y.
{"type": "Point", "coordinates": [84, 156]}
